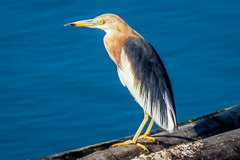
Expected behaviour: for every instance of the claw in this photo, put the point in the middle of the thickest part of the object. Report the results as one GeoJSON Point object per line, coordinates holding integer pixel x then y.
{"type": "Point", "coordinates": [147, 137]}
{"type": "Point", "coordinates": [130, 142]}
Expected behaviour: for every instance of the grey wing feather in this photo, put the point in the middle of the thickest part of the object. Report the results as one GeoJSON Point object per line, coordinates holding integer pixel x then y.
{"type": "Point", "coordinates": [153, 82]}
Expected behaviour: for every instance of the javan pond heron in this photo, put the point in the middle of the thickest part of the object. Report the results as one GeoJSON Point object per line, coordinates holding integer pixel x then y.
{"type": "Point", "coordinates": [141, 70]}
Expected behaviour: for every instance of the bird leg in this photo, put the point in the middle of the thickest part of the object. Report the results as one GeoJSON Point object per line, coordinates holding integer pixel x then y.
{"type": "Point", "coordinates": [147, 133]}
{"type": "Point", "coordinates": [135, 138]}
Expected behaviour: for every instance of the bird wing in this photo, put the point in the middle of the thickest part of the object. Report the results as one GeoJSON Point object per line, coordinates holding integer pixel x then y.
{"type": "Point", "coordinates": [145, 76]}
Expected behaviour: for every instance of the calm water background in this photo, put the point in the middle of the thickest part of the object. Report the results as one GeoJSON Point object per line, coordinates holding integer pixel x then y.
{"type": "Point", "coordinates": [59, 90]}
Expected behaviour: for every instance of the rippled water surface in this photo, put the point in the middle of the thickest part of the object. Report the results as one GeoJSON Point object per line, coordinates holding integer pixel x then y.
{"type": "Point", "coordinates": [59, 90]}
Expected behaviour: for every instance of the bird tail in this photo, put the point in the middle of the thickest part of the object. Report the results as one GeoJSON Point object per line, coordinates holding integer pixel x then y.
{"type": "Point", "coordinates": [166, 117]}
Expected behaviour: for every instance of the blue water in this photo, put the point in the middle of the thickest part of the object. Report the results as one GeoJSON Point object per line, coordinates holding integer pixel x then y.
{"type": "Point", "coordinates": [59, 90]}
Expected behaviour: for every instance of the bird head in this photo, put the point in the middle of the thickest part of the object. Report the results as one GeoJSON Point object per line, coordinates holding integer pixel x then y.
{"type": "Point", "coordinates": [107, 22]}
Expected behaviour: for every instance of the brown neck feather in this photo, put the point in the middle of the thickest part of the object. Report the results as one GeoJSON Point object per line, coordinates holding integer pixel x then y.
{"type": "Point", "coordinates": [114, 42]}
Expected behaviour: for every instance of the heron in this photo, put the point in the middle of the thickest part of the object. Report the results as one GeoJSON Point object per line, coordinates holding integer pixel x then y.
{"type": "Point", "coordinates": [140, 70]}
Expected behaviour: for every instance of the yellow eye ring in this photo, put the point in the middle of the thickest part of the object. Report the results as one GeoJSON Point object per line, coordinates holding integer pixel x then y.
{"type": "Point", "coordinates": [100, 21]}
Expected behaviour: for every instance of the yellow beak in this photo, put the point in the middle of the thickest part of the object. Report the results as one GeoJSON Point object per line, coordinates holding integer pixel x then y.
{"type": "Point", "coordinates": [83, 23]}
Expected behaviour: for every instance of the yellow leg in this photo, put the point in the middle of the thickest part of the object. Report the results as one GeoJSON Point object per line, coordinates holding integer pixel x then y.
{"type": "Point", "coordinates": [147, 133]}
{"type": "Point", "coordinates": [135, 138]}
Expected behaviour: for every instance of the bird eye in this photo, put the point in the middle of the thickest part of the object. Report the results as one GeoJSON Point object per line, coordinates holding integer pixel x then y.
{"type": "Point", "coordinates": [100, 21]}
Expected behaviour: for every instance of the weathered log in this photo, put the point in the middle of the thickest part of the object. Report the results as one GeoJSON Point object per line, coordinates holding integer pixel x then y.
{"type": "Point", "coordinates": [197, 129]}
{"type": "Point", "coordinates": [221, 146]}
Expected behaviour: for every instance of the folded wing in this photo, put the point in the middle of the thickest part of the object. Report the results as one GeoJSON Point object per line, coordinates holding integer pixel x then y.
{"type": "Point", "coordinates": [145, 76]}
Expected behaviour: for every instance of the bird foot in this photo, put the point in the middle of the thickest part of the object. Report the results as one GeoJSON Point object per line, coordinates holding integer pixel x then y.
{"type": "Point", "coordinates": [130, 142]}
{"type": "Point", "coordinates": [144, 136]}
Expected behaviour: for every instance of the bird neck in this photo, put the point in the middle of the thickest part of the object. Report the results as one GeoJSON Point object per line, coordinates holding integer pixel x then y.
{"type": "Point", "coordinates": [114, 42]}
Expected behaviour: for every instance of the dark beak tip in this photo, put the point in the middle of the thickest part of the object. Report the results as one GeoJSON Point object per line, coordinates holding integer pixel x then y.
{"type": "Point", "coordinates": [69, 24]}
